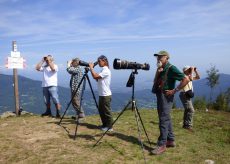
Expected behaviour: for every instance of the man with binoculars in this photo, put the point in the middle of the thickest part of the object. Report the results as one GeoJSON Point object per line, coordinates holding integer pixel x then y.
{"type": "Point", "coordinates": [186, 96]}
{"type": "Point", "coordinates": [49, 84]}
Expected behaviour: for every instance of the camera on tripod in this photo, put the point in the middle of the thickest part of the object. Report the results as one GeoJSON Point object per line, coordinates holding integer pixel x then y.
{"type": "Point", "coordinates": [123, 64]}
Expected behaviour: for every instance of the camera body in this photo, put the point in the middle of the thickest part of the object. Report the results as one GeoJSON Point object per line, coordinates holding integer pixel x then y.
{"type": "Point", "coordinates": [123, 64]}
{"type": "Point", "coordinates": [45, 58]}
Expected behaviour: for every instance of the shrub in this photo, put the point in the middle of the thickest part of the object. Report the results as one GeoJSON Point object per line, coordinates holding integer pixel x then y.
{"type": "Point", "coordinates": [199, 103]}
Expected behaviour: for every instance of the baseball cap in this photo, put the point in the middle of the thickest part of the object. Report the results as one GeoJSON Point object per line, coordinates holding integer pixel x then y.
{"type": "Point", "coordinates": [186, 68]}
{"type": "Point", "coordinates": [162, 53]}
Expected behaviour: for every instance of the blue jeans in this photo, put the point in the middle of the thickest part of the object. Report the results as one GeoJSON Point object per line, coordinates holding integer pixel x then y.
{"type": "Point", "coordinates": [50, 92]}
{"type": "Point", "coordinates": [164, 106]}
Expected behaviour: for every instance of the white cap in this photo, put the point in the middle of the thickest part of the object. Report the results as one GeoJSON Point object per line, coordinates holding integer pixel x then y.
{"type": "Point", "coordinates": [186, 68]}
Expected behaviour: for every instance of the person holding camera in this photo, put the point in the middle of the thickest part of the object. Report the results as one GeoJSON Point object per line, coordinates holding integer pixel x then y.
{"type": "Point", "coordinates": [49, 84]}
{"type": "Point", "coordinates": [164, 88]}
{"type": "Point", "coordinates": [75, 70]}
{"type": "Point", "coordinates": [103, 79]}
{"type": "Point", "coordinates": [186, 95]}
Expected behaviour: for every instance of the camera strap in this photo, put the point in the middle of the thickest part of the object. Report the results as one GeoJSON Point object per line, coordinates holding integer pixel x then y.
{"type": "Point", "coordinates": [166, 75]}
{"type": "Point", "coordinates": [161, 81]}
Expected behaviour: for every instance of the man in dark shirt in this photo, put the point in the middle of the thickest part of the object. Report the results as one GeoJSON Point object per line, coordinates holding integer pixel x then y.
{"type": "Point", "coordinates": [165, 81]}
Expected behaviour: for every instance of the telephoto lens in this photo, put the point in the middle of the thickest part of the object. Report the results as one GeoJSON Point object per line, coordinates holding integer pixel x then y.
{"type": "Point", "coordinates": [83, 63]}
{"type": "Point", "coordinates": [123, 64]}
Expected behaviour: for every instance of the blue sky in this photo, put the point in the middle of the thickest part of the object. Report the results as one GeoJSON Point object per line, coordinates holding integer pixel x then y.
{"type": "Point", "coordinates": [194, 32]}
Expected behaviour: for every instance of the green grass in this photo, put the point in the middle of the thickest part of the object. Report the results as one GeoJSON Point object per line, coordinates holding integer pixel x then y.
{"type": "Point", "coordinates": [33, 139]}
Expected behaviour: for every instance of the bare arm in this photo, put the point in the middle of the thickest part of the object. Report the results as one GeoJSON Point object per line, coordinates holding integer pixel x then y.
{"type": "Point", "coordinates": [39, 65]}
{"type": "Point", "coordinates": [94, 74]}
{"type": "Point", "coordinates": [69, 63]}
{"type": "Point", "coordinates": [182, 84]}
{"type": "Point", "coordinates": [197, 77]}
{"type": "Point", "coordinates": [51, 64]}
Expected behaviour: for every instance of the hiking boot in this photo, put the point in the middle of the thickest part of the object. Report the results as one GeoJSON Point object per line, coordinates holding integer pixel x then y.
{"type": "Point", "coordinates": [189, 129]}
{"type": "Point", "coordinates": [107, 129]}
{"type": "Point", "coordinates": [158, 150]}
{"type": "Point", "coordinates": [170, 144]}
{"type": "Point", "coordinates": [58, 115]}
{"type": "Point", "coordinates": [47, 113]}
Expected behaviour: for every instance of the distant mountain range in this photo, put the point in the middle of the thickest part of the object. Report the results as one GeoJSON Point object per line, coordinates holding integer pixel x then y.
{"type": "Point", "coordinates": [31, 98]}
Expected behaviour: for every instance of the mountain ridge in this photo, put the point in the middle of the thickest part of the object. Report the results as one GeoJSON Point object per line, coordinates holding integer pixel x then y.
{"type": "Point", "coordinates": [31, 98]}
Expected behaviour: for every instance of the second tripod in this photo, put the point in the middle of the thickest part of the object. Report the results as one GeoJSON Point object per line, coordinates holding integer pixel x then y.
{"type": "Point", "coordinates": [83, 80]}
{"type": "Point", "coordinates": [131, 83]}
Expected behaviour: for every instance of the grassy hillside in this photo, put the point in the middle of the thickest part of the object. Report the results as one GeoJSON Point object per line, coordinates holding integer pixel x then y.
{"type": "Point", "coordinates": [33, 139]}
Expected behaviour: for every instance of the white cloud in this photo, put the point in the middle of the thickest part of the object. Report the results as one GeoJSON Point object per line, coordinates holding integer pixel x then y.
{"type": "Point", "coordinates": [130, 21]}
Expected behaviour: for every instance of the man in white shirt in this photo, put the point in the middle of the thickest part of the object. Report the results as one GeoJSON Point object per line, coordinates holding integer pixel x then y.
{"type": "Point", "coordinates": [49, 84]}
{"type": "Point", "coordinates": [103, 80]}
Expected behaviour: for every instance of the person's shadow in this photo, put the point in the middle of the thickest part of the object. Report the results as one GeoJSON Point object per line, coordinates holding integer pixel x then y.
{"type": "Point", "coordinates": [127, 138]}
{"type": "Point", "coordinates": [85, 136]}
{"type": "Point", "coordinates": [130, 139]}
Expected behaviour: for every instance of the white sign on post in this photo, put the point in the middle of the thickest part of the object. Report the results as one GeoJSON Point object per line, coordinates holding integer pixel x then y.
{"type": "Point", "coordinates": [15, 62]}
{"type": "Point", "coordinates": [15, 54]}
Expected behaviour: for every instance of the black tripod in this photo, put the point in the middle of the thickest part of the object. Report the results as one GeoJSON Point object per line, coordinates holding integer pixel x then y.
{"type": "Point", "coordinates": [131, 83]}
{"type": "Point", "coordinates": [83, 80]}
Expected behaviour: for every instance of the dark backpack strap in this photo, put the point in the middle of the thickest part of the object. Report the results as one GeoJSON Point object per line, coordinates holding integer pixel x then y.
{"type": "Point", "coordinates": [166, 73]}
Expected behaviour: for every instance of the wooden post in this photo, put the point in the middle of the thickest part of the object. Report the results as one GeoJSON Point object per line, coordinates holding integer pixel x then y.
{"type": "Point", "coordinates": [15, 74]}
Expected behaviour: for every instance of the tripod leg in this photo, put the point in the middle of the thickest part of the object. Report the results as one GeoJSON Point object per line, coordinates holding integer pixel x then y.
{"type": "Point", "coordinates": [113, 123]}
{"type": "Point", "coordinates": [92, 90]}
{"type": "Point", "coordinates": [75, 92]}
{"type": "Point", "coordinates": [143, 126]}
{"type": "Point", "coordinates": [139, 130]}
{"type": "Point", "coordinates": [64, 113]}
{"type": "Point", "coordinates": [82, 93]}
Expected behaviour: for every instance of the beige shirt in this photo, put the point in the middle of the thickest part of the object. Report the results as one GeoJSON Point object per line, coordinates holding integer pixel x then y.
{"type": "Point", "coordinates": [189, 86]}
